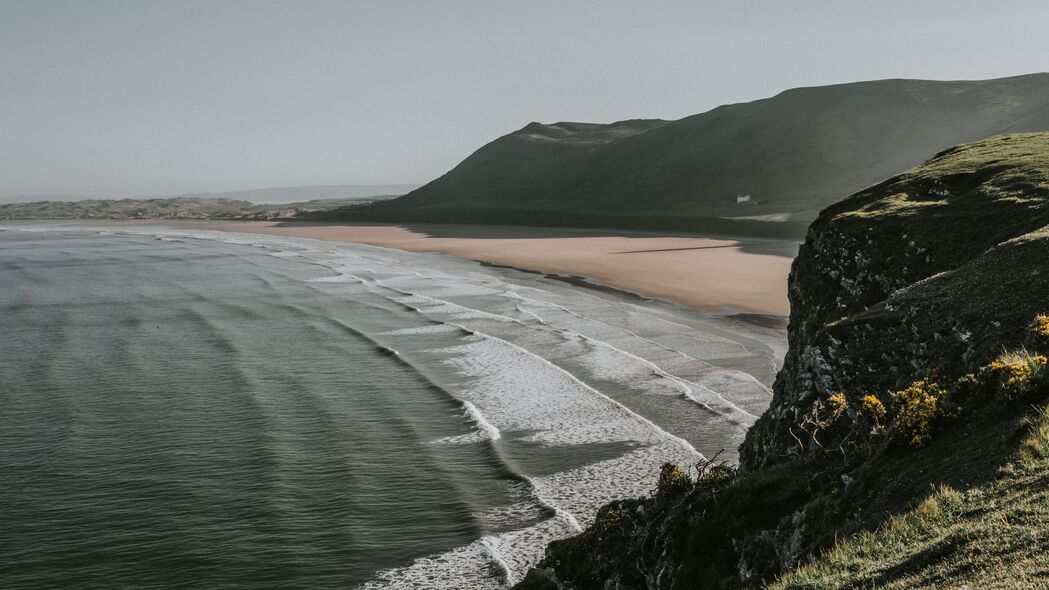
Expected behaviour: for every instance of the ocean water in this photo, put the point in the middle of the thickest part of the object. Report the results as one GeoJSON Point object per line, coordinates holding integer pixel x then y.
{"type": "Point", "coordinates": [187, 408]}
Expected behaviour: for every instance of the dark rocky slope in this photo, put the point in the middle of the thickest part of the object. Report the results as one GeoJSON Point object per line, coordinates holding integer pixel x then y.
{"type": "Point", "coordinates": [794, 153]}
{"type": "Point", "coordinates": [908, 428]}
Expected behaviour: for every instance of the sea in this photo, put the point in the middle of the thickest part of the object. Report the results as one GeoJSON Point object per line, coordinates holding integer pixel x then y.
{"type": "Point", "coordinates": [185, 408]}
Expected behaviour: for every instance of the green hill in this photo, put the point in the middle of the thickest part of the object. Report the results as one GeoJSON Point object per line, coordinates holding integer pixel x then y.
{"type": "Point", "coordinates": [907, 442]}
{"type": "Point", "coordinates": [794, 154]}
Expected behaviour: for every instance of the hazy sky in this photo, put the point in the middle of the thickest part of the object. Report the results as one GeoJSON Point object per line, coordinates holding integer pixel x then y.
{"type": "Point", "coordinates": [138, 97]}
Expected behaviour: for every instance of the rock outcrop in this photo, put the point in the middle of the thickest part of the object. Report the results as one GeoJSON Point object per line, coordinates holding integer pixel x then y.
{"type": "Point", "coordinates": [917, 341]}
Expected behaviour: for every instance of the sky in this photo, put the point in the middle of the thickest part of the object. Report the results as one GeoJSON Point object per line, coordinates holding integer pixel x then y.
{"type": "Point", "coordinates": [141, 97]}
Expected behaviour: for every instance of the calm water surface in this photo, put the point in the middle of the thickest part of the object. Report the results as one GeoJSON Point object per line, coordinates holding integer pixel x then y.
{"type": "Point", "coordinates": [195, 409]}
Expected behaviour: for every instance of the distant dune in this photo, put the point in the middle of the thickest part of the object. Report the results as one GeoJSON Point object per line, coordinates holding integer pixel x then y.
{"type": "Point", "coordinates": [764, 167]}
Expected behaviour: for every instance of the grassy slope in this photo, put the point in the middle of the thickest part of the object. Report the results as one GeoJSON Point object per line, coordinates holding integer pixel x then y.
{"type": "Point", "coordinates": [795, 153]}
{"type": "Point", "coordinates": [994, 535]}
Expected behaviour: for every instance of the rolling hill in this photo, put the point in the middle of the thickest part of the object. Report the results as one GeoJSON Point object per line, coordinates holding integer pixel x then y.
{"type": "Point", "coordinates": [793, 154]}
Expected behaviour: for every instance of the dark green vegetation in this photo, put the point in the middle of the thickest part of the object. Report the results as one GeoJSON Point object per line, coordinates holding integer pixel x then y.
{"type": "Point", "coordinates": [794, 153]}
{"type": "Point", "coordinates": [172, 208]}
{"type": "Point", "coordinates": [907, 443]}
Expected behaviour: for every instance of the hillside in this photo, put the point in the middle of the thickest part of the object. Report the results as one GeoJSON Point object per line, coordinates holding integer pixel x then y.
{"type": "Point", "coordinates": [794, 154]}
{"type": "Point", "coordinates": [907, 442]}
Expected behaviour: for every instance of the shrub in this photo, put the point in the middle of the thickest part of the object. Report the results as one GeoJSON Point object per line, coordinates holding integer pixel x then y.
{"type": "Point", "coordinates": [672, 479]}
{"type": "Point", "coordinates": [873, 406]}
{"type": "Point", "coordinates": [1016, 372]}
{"type": "Point", "coordinates": [712, 471]}
{"type": "Point", "coordinates": [837, 404]}
{"type": "Point", "coordinates": [820, 416]}
{"type": "Point", "coordinates": [608, 524]}
{"type": "Point", "coordinates": [967, 382]}
{"type": "Point", "coordinates": [1040, 325]}
{"type": "Point", "coordinates": [1038, 333]}
{"type": "Point", "coordinates": [874, 411]}
{"type": "Point", "coordinates": [917, 409]}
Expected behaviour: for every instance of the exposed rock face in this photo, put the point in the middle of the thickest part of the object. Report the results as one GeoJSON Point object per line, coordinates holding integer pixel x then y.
{"type": "Point", "coordinates": [915, 274]}
{"type": "Point", "coordinates": [928, 275]}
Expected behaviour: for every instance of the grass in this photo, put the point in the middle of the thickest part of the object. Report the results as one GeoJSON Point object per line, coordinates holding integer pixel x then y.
{"type": "Point", "coordinates": [1018, 371]}
{"type": "Point", "coordinates": [899, 204]}
{"type": "Point", "coordinates": [994, 535]}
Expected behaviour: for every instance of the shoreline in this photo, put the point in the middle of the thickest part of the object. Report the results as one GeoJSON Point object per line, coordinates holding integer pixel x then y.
{"type": "Point", "coordinates": [513, 384]}
{"type": "Point", "coordinates": [733, 276]}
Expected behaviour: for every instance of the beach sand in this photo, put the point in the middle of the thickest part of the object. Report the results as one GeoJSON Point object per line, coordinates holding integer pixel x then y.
{"type": "Point", "coordinates": [724, 274]}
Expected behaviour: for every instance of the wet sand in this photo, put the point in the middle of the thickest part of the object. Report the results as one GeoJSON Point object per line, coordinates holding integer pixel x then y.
{"type": "Point", "coordinates": [725, 274]}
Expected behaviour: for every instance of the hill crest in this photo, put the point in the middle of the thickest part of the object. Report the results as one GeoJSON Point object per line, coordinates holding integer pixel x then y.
{"type": "Point", "coordinates": [793, 153]}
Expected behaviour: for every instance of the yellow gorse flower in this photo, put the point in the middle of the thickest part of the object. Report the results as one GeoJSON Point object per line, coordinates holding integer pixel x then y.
{"type": "Point", "coordinates": [837, 404]}
{"type": "Point", "coordinates": [1040, 326]}
{"type": "Point", "coordinates": [917, 409]}
{"type": "Point", "coordinates": [1016, 370]}
{"type": "Point", "coordinates": [873, 406]}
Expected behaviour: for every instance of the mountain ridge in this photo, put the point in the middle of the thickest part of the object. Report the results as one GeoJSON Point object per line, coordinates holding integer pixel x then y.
{"type": "Point", "coordinates": [793, 154]}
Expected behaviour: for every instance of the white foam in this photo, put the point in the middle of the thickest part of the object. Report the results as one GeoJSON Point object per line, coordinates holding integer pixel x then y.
{"type": "Point", "coordinates": [340, 278]}
{"type": "Point", "coordinates": [470, 566]}
{"type": "Point", "coordinates": [420, 330]}
{"type": "Point", "coordinates": [486, 426]}
{"type": "Point", "coordinates": [469, 438]}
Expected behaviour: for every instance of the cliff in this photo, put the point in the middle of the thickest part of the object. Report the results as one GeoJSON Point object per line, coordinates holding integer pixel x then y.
{"type": "Point", "coordinates": [907, 442]}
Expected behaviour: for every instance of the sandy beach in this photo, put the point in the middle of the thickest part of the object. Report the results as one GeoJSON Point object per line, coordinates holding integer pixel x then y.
{"type": "Point", "coordinates": [726, 274]}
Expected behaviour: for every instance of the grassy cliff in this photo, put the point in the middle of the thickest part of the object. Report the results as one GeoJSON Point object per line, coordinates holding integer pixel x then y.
{"type": "Point", "coordinates": [907, 443]}
{"type": "Point", "coordinates": [794, 154]}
